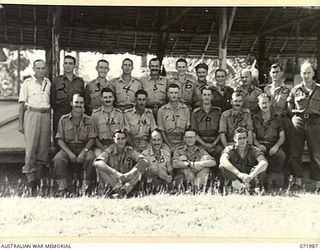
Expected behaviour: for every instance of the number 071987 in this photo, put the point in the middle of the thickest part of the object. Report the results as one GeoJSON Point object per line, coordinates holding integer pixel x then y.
{"type": "Point", "coordinates": [310, 246]}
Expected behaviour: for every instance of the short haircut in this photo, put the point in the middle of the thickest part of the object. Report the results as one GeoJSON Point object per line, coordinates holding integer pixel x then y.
{"type": "Point", "coordinates": [240, 130]}
{"type": "Point", "coordinates": [102, 60]}
{"type": "Point", "coordinates": [127, 59]}
{"type": "Point", "coordinates": [236, 94]}
{"type": "Point", "coordinates": [173, 85]}
{"type": "Point", "coordinates": [263, 96]}
{"type": "Point", "coordinates": [155, 59]}
{"type": "Point", "coordinates": [307, 64]}
{"type": "Point", "coordinates": [157, 131]}
{"type": "Point", "coordinates": [244, 71]}
{"type": "Point", "coordinates": [276, 65]}
{"type": "Point", "coordinates": [140, 92]}
{"type": "Point", "coordinates": [107, 90]}
{"type": "Point", "coordinates": [38, 60]}
{"type": "Point", "coordinates": [79, 94]}
{"type": "Point", "coordinates": [206, 88]}
{"type": "Point", "coordinates": [190, 130]}
{"type": "Point", "coordinates": [72, 58]}
{"type": "Point", "coordinates": [202, 66]}
{"type": "Point", "coordinates": [181, 60]}
{"type": "Point", "coordinates": [119, 131]}
{"type": "Point", "coordinates": [220, 70]}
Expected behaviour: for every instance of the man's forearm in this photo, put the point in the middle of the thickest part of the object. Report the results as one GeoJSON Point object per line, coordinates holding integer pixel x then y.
{"type": "Point", "coordinates": [180, 164]}
{"type": "Point", "coordinates": [223, 139]}
{"type": "Point", "coordinates": [259, 168]}
{"type": "Point", "coordinates": [64, 146]}
{"type": "Point", "coordinates": [206, 163]}
{"type": "Point", "coordinates": [165, 139]}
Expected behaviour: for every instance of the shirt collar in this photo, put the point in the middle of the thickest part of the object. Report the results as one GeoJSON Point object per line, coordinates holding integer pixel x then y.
{"type": "Point", "coordinates": [122, 80]}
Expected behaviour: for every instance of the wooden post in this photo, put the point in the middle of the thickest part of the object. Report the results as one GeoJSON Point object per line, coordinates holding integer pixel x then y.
{"type": "Point", "coordinates": [144, 61]}
{"type": "Point", "coordinates": [17, 90]}
{"type": "Point", "coordinates": [297, 68]}
{"type": "Point", "coordinates": [318, 56]}
{"type": "Point", "coordinates": [53, 50]}
{"type": "Point", "coordinates": [262, 59]}
{"type": "Point", "coordinates": [78, 63]}
{"type": "Point", "coordinates": [222, 32]}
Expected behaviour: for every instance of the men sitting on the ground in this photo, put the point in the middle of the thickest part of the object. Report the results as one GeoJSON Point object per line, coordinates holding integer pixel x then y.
{"type": "Point", "coordinates": [173, 118]}
{"type": "Point", "coordinates": [139, 122]}
{"type": "Point", "coordinates": [159, 172]}
{"type": "Point", "coordinates": [155, 85]}
{"type": "Point", "coordinates": [234, 118]}
{"type": "Point", "coordinates": [106, 120]}
{"type": "Point", "coordinates": [221, 92]}
{"type": "Point", "coordinates": [75, 136]}
{"type": "Point", "coordinates": [269, 136]}
{"type": "Point", "coordinates": [119, 166]}
{"type": "Point", "coordinates": [205, 121]}
{"type": "Point", "coordinates": [242, 163]}
{"type": "Point", "coordinates": [192, 163]}
{"type": "Point", "coordinates": [185, 82]}
{"type": "Point", "coordinates": [250, 92]}
{"type": "Point", "coordinates": [125, 86]}
{"type": "Point", "coordinates": [93, 89]}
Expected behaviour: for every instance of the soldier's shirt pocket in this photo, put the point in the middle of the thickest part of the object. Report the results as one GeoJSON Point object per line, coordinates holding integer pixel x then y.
{"type": "Point", "coordinates": [102, 126]}
{"type": "Point", "coordinates": [69, 134]}
{"type": "Point", "coordinates": [314, 102]}
{"type": "Point", "coordinates": [83, 133]}
{"type": "Point", "coordinates": [181, 122]}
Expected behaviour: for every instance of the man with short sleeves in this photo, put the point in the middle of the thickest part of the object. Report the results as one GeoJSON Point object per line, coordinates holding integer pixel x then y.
{"type": "Point", "coordinates": [34, 123]}
{"type": "Point", "coordinates": [221, 92]}
{"type": "Point", "coordinates": [120, 166]}
{"type": "Point", "coordinates": [304, 103]}
{"type": "Point", "coordinates": [173, 119]}
{"type": "Point", "coordinates": [242, 163]}
{"type": "Point", "coordinates": [106, 120]}
{"type": "Point", "coordinates": [155, 85]}
{"type": "Point", "coordinates": [269, 136]}
{"type": "Point", "coordinates": [62, 90]}
{"type": "Point", "coordinates": [250, 92]}
{"type": "Point", "coordinates": [125, 86]}
{"type": "Point", "coordinates": [233, 118]}
{"type": "Point", "coordinates": [185, 82]}
{"type": "Point", "coordinates": [93, 89]}
{"type": "Point", "coordinates": [139, 122]}
{"type": "Point", "coordinates": [192, 161]}
{"type": "Point", "coordinates": [202, 73]}
{"type": "Point", "coordinates": [75, 137]}
{"type": "Point", "coordinates": [159, 172]}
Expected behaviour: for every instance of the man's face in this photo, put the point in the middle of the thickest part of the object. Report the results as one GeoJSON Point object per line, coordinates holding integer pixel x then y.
{"type": "Point", "coordinates": [190, 138]}
{"type": "Point", "coordinates": [39, 69]}
{"type": "Point", "coordinates": [107, 99]}
{"type": "Point", "coordinates": [127, 67]}
{"type": "Point", "coordinates": [202, 74]}
{"type": "Point", "coordinates": [206, 96]}
{"type": "Point", "coordinates": [264, 104]}
{"type": "Point", "coordinates": [173, 94]}
{"type": "Point", "coordinates": [154, 67]}
{"type": "Point", "coordinates": [246, 78]}
{"type": "Point", "coordinates": [241, 139]}
{"type": "Point", "coordinates": [120, 140]}
{"type": "Point", "coordinates": [237, 102]}
{"type": "Point", "coordinates": [68, 65]}
{"type": "Point", "coordinates": [181, 67]}
{"type": "Point", "coordinates": [103, 69]}
{"type": "Point", "coordinates": [141, 101]}
{"type": "Point", "coordinates": [221, 78]}
{"type": "Point", "coordinates": [307, 73]}
{"type": "Point", "coordinates": [156, 140]}
{"type": "Point", "coordinates": [276, 74]}
{"type": "Point", "coordinates": [78, 104]}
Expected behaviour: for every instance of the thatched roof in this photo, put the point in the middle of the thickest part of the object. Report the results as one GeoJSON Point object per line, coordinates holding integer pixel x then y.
{"type": "Point", "coordinates": [183, 31]}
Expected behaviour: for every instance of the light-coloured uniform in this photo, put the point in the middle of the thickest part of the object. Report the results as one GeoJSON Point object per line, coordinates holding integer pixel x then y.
{"type": "Point", "coordinates": [187, 89]}
{"type": "Point", "coordinates": [105, 124]}
{"type": "Point", "coordinates": [139, 127]}
{"type": "Point", "coordinates": [125, 92]}
{"type": "Point", "coordinates": [36, 97]}
{"type": "Point", "coordinates": [250, 97]}
{"type": "Point", "coordinates": [174, 122]}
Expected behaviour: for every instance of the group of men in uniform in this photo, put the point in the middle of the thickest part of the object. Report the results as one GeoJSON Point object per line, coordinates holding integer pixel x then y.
{"type": "Point", "coordinates": [169, 132]}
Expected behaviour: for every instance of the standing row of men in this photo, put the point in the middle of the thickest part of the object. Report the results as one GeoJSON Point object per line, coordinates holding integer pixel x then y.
{"type": "Point", "coordinates": [154, 109]}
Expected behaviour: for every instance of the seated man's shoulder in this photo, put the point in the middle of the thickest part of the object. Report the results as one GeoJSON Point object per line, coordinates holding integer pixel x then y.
{"type": "Point", "coordinates": [227, 113]}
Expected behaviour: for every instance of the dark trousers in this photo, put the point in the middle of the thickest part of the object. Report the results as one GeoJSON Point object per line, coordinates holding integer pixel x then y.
{"type": "Point", "coordinates": [305, 130]}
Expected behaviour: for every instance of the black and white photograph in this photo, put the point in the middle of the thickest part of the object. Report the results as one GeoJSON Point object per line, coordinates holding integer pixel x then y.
{"type": "Point", "coordinates": [159, 123]}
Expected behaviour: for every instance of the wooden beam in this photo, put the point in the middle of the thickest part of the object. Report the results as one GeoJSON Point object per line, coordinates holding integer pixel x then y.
{"type": "Point", "coordinates": [197, 26]}
{"type": "Point", "coordinates": [318, 55]}
{"type": "Point", "coordinates": [174, 45]}
{"type": "Point", "coordinates": [150, 43]}
{"type": "Point", "coordinates": [262, 58]}
{"type": "Point", "coordinates": [167, 25]}
{"type": "Point", "coordinates": [222, 32]}
{"type": "Point", "coordinates": [230, 23]}
{"type": "Point", "coordinates": [34, 10]}
{"type": "Point", "coordinates": [135, 33]}
{"type": "Point", "coordinates": [209, 38]}
{"type": "Point", "coordinates": [297, 48]}
{"type": "Point", "coordinates": [18, 72]}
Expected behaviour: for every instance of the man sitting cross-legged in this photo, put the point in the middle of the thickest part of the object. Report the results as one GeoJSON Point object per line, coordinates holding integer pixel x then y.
{"type": "Point", "coordinates": [119, 166]}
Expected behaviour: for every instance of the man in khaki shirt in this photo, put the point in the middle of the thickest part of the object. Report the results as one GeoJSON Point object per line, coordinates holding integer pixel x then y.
{"type": "Point", "coordinates": [119, 166]}
{"type": "Point", "coordinates": [125, 86]}
{"type": "Point", "coordinates": [106, 120]}
{"type": "Point", "coordinates": [155, 85]}
{"type": "Point", "coordinates": [93, 89]}
{"type": "Point", "coordinates": [34, 123]}
{"type": "Point", "coordinates": [202, 73]}
{"type": "Point", "coordinates": [76, 137]}
{"type": "Point", "coordinates": [193, 161]}
{"type": "Point", "coordinates": [139, 122]}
